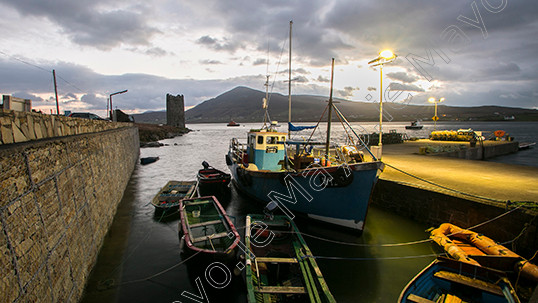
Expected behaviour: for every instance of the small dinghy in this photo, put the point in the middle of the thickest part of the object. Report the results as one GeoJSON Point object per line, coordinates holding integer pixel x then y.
{"type": "Point", "coordinates": [473, 248]}
{"type": "Point", "coordinates": [446, 280]}
{"type": "Point", "coordinates": [206, 228]}
{"type": "Point", "coordinates": [211, 180]}
{"type": "Point", "coordinates": [168, 198]}
{"type": "Point", "coordinates": [414, 125]}
{"type": "Point", "coordinates": [148, 160]}
{"type": "Point", "coordinates": [280, 266]}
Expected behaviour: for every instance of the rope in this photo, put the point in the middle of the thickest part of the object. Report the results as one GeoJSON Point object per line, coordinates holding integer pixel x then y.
{"type": "Point", "coordinates": [372, 259]}
{"type": "Point", "coordinates": [159, 273]}
{"type": "Point", "coordinates": [394, 244]}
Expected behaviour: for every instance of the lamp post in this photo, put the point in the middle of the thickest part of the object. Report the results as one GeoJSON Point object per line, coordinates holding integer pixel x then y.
{"type": "Point", "coordinates": [384, 57]}
{"type": "Point", "coordinates": [110, 98]}
{"type": "Point", "coordinates": [435, 117]}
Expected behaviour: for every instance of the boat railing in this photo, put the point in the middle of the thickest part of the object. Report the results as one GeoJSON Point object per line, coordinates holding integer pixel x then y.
{"type": "Point", "coordinates": [238, 149]}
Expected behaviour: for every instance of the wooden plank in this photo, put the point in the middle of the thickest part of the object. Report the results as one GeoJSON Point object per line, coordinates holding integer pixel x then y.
{"type": "Point", "coordinates": [468, 281]}
{"type": "Point", "coordinates": [418, 299]}
{"type": "Point", "coordinates": [188, 203]}
{"type": "Point", "coordinates": [212, 236]}
{"type": "Point", "coordinates": [275, 260]}
{"type": "Point", "coordinates": [280, 290]}
{"type": "Point", "coordinates": [205, 223]}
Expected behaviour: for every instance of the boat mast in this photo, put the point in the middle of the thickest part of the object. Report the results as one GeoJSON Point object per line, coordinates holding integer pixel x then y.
{"type": "Point", "coordinates": [289, 84]}
{"type": "Point", "coordinates": [330, 113]}
{"type": "Point", "coordinates": [265, 104]}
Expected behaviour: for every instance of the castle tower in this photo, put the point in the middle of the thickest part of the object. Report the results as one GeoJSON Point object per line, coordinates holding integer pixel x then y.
{"type": "Point", "coordinates": [175, 110]}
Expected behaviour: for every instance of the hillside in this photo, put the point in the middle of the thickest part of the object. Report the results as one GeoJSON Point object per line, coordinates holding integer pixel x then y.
{"type": "Point", "coordinates": [243, 104]}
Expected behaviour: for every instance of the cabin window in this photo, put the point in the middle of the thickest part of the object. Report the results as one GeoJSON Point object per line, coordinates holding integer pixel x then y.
{"type": "Point", "coordinates": [283, 139]}
{"type": "Point", "coordinates": [260, 139]}
{"type": "Point", "coordinates": [272, 140]}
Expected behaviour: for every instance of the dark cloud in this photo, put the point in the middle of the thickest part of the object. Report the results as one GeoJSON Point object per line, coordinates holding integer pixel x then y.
{"type": "Point", "coordinates": [26, 95]}
{"type": "Point", "coordinates": [371, 88]}
{"type": "Point", "coordinates": [93, 23]}
{"type": "Point", "coordinates": [395, 86]}
{"type": "Point", "coordinates": [225, 44]}
{"type": "Point", "coordinates": [347, 91]}
{"type": "Point", "coordinates": [260, 62]}
{"type": "Point", "coordinates": [210, 62]}
{"type": "Point", "coordinates": [323, 79]}
{"type": "Point", "coordinates": [403, 76]}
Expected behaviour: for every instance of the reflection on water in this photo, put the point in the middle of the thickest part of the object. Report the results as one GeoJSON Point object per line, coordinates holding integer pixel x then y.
{"type": "Point", "coordinates": [364, 272]}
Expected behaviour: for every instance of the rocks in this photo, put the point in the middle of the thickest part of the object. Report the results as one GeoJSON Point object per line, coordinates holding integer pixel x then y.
{"type": "Point", "coordinates": [151, 144]}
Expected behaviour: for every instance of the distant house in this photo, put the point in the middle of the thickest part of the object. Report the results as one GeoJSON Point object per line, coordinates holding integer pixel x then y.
{"type": "Point", "coordinates": [509, 118]}
{"type": "Point", "coordinates": [16, 104]}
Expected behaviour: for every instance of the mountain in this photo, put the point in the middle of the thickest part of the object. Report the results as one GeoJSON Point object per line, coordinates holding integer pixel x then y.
{"type": "Point", "coordinates": [243, 104]}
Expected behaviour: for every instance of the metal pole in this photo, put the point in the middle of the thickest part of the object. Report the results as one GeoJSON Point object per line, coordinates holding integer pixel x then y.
{"type": "Point", "coordinates": [435, 119]}
{"type": "Point", "coordinates": [330, 113]}
{"type": "Point", "coordinates": [56, 92]}
{"type": "Point", "coordinates": [289, 84]}
{"type": "Point", "coordinates": [110, 113]}
{"type": "Point", "coordinates": [380, 106]}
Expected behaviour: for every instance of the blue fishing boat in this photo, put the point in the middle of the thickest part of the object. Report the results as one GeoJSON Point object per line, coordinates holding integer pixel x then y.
{"type": "Point", "coordinates": [446, 280]}
{"type": "Point", "coordinates": [324, 181]}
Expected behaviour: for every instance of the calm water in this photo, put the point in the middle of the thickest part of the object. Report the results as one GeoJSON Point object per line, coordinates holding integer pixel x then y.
{"type": "Point", "coordinates": [366, 273]}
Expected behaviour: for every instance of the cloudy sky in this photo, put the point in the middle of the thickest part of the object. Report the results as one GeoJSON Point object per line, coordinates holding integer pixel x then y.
{"type": "Point", "coordinates": [472, 53]}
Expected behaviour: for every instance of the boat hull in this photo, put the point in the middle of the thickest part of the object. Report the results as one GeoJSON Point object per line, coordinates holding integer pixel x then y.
{"type": "Point", "coordinates": [343, 202]}
{"type": "Point", "coordinates": [206, 228]}
{"type": "Point", "coordinates": [454, 279]}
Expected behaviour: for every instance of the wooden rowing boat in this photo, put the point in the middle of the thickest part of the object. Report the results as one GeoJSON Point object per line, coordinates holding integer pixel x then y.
{"type": "Point", "coordinates": [168, 197]}
{"type": "Point", "coordinates": [473, 248]}
{"type": "Point", "coordinates": [280, 266]}
{"type": "Point", "coordinates": [446, 280]}
{"type": "Point", "coordinates": [212, 181]}
{"type": "Point", "coordinates": [205, 227]}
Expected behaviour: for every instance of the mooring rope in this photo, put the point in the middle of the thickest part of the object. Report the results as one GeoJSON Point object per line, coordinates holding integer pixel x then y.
{"type": "Point", "coordinates": [159, 273]}
{"type": "Point", "coordinates": [371, 259]}
{"type": "Point", "coordinates": [394, 244]}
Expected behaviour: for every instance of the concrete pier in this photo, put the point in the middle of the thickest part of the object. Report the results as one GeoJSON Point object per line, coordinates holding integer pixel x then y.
{"type": "Point", "coordinates": [471, 192]}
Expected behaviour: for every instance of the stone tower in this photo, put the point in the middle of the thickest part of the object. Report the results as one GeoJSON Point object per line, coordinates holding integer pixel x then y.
{"type": "Point", "coordinates": [175, 110]}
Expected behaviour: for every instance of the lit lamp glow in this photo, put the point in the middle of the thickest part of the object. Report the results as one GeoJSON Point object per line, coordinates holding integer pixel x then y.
{"type": "Point", "coordinates": [435, 117]}
{"type": "Point", "coordinates": [385, 56]}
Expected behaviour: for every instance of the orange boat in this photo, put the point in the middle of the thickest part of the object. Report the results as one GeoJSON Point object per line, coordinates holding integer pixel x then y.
{"type": "Point", "coordinates": [473, 248]}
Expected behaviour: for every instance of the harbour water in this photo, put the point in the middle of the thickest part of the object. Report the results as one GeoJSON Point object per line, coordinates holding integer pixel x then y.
{"type": "Point", "coordinates": [144, 267]}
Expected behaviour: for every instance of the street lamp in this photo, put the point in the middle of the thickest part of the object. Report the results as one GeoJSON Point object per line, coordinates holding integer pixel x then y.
{"type": "Point", "coordinates": [110, 98]}
{"type": "Point", "coordinates": [435, 118]}
{"type": "Point", "coordinates": [385, 56]}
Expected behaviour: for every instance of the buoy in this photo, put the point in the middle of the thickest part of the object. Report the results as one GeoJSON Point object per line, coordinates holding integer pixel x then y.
{"type": "Point", "coordinates": [499, 133]}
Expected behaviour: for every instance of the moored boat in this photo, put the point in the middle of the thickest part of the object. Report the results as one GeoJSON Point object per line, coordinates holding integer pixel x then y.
{"type": "Point", "coordinates": [172, 193]}
{"type": "Point", "coordinates": [279, 265]}
{"type": "Point", "coordinates": [233, 123]}
{"type": "Point", "coordinates": [473, 248]}
{"type": "Point", "coordinates": [211, 180]}
{"type": "Point", "coordinates": [206, 228]}
{"type": "Point", "coordinates": [446, 280]}
{"type": "Point", "coordinates": [322, 180]}
{"type": "Point", "coordinates": [148, 160]}
{"type": "Point", "coordinates": [414, 125]}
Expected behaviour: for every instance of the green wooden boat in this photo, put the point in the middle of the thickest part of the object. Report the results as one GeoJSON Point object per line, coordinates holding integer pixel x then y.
{"type": "Point", "coordinates": [172, 193]}
{"type": "Point", "coordinates": [206, 228]}
{"type": "Point", "coordinates": [279, 265]}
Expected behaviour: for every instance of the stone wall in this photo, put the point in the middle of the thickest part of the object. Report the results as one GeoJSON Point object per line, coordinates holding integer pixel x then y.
{"type": "Point", "coordinates": [435, 207]}
{"type": "Point", "coordinates": [18, 127]}
{"type": "Point", "coordinates": [487, 151]}
{"type": "Point", "coordinates": [58, 198]}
